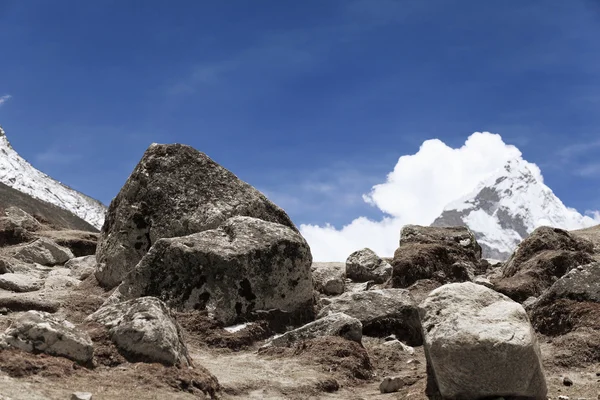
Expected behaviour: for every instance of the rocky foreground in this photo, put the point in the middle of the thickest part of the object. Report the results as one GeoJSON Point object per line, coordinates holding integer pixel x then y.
{"type": "Point", "coordinates": [200, 287]}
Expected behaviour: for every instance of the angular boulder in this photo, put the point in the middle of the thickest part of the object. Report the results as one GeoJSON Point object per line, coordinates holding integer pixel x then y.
{"type": "Point", "coordinates": [20, 283]}
{"type": "Point", "coordinates": [479, 344]}
{"type": "Point", "coordinates": [40, 332]}
{"type": "Point", "coordinates": [364, 265]}
{"type": "Point", "coordinates": [542, 258]}
{"type": "Point", "coordinates": [446, 254]}
{"type": "Point", "coordinates": [381, 312]}
{"type": "Point", "coordinates": [338, 324]}
{"type": "Point", "coordinates": [174, 191]}
{"type": "Point", "coordinates": [43, 251]}
{"type": "Point", "coordinates": [81, 267]}
{"type": "Point", "coordinates": [144, 328]}
{"type": "Point", "coordinates": [23, 219]}
{"type": "Point", "coordinates": [571, 303]}
{"type": "Point", "coordinates": [329, 277]}
{"type": "Point", "coordinates": [12, 233]}
{"type": "Point", "coordinates": [244, 266]}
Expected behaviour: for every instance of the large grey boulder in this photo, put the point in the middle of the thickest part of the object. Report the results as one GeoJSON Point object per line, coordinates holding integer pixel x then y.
{"type": "Point", "coordinates": [146, 329]}
{"type": "Point", "coordinates": [381, 312]}
{"type": "Point", "coordinates": [43, 251]}
{"type": "Point", "coordinates": [480, 344]}
{"type": "Point", "coordinates": [571, 303]}
{"type": "Point", "coordinates": [542, 258]}
{"type": "Point", "coordinates": [338, 324]}
{"type": "Point", "coordinates": [81, 267]}
{"type": "Point", "coordinates": [244, 266]}
{"type": "Point", "coordinates": [40, 332]}
{"type": "Point", "coordinates": [174, 191]}
{"type": "Point", "coordinates": [20, 283]}
{"type": "Point", "coordinates": [445, 254]}
{"type": "Point", "coordinates": [364, 265]}
{"type": "Point", "coordinates": [329, 277]}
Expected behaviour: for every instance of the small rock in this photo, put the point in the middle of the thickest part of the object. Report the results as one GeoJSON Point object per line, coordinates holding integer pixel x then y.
{"type": "Point", "coordinates": [529, 301]}
{"type": "Point", "coordinates": [563, 397]}
{"type": "Point", "coordinates": [329, 278]}
{"type": "Point", "coordinates": [398, 345]}
{"type": "Point", "coordinates": [567, 382]}
{"type": "Point", "coordinates": [413, 362]}
{"type": "Point", "coordinates": [81, 396]}
{"type": "Point", "coordinates": [391, 385]}
{"type": "Point", "coordinates": [364, 265]}
{"type": "Point", "coordinates": [43, 251]}
{"type": "Point", "coordinates": [483, 281]}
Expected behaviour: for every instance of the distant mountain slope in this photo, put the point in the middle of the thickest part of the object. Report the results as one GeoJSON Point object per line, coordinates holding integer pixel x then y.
{"type": "Point", "coordinates": [507, 207]}
{"type": "Point", "coordinates": [18, 174]}
{"type": "Point", "coordinates": [52, 215]}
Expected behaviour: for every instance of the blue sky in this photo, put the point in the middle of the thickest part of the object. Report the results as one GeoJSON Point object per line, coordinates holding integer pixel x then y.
{"type": "Point", "coordinates": [311, 101]}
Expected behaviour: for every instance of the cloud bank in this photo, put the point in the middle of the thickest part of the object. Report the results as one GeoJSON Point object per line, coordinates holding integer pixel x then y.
{"type": "Point", "coordinates": [415, 192]}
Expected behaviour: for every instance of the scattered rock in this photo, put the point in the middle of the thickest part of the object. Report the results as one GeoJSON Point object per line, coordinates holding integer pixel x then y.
{"type": "Point", "coordinates": [20, 283]}
{"type": "Point", "coordinates": [381, 312]}
{"type": "Point", "coordinates": [81, 396]}
{"type": "Point", "coordinates": [469, 333]}
{"type": "Point", "coordinates": [572, 302]}
{"type": "Point", "coordinates": [144, 328]}
{"type": "Point", "coordinates": [338, 324]}
{"type": "Point", "coordinates": [563, 397]}
{"type": "Point", "coordinates": [364, 265]}
{"type": "Point", "coordinates": [567, 381]}
{"type": "Point", "coordinates": [399, 346]}
{"type": "Point", "coordinates": [547, 254]}
{"type": "Point", "coordinates": [391, 385]}
{"type": "Point", "coordinates": [81, 267]}
{"type": "Point", "coordinates": [329, 278]}
{"type": "Point", "coordinates": [174, 191]}
{"type": "Point", "coordinates": [244, 266]}
{"type": "Point", "coordinates": [40, 332]}
{"type": "Point", "coordinates": [448, 254]}
{"type": "Point", "coordinates": [43, 251]}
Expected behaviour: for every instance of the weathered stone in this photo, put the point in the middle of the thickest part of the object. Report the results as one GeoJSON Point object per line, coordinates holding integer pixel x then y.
{"type": "Point", "coordinates": [40, 332]}
{"type": "Point", "coordinates": [391, 385]}
{"type": "Point", "coordinates": [364, 265]}
{"type": "Point", "coordinates": [546, 255]}
{"type": "Point", "coordinates": [12, 233]}
{"type": "Point", "coordinates": [480, 344]}
{"type": "Point", "coordinates": [81, 243]}
{"type": "Point", "coordinates": [572, 302]}
{"type": "Point", "coordinates": [23, 219]}
{"type": "Point", "coordinates": [449, 254]}
{"type": "Point", "coordinates": [20, 283]}
{"type": "Point", "coordinates": [174, 191]}
{"type": "Point", "coordinates": [398, 346]}
{"type": "Point", "coordinates": [338, 324]}
{"type": "Point", "coordinates": [329, 278]}
{"type": "Point", "coordinates": [381, 312]}
{"type": "Point", "coordinates": [81, 396]}
{"type": "Point", "coordinates": [484, 282]}
{"type": "Point", "coordinates": [146, 329]}
{"type": "Point", "coordinates": [43, 251]}
{"type": "Point", "coordinates": [244, 266]}
{"type": "Point", "coordinates": [82, 267]}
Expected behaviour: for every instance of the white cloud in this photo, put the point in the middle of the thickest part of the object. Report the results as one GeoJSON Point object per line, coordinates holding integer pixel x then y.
{"type": "Point", "coordinates": [415, 192]}
{"type": "Point", "coordinates": [4, 99]}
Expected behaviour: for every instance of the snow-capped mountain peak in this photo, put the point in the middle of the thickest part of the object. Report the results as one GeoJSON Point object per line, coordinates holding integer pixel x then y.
{"type": "Point", "coordinates": [17, 173]}
{"type": "Point", "coordinates": [507, 206]}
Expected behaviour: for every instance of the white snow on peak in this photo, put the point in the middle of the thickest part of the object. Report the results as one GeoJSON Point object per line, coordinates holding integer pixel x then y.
{"type": "Point", "coordinates": [509, 205]}
{"type": "Point", "coordinates": [17, 173]}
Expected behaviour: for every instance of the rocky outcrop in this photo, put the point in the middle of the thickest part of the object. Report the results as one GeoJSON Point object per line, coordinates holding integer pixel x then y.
{"type": "Point", "coordinates": [381, 312]}
{"type": "Point", "coordinates": [40, 332]}
{"type": "Point", "coordinates": [244, 266]}
{"type": "Point", "coordinates": [571, 303]}
{"type": "Point", "coordinates": [338, 324]}
{"type": "Point", "coordinates": [43, 251]}
{"type": "Point", "coordinates": [174, 191]}
{"type": "Point", "coordinates": [546, 255]}
{"type": "Point", "coordinates": [480, 344]}
{"type": "Point", "coordinates": [81, 243]}
{"type": "Point", "coordinates": [329, 278]}
{"type": "Point", "coordinates": [445, 254]}
{"type": "Point", "coordinates": [364, 265]}
{"type": "Point", "coordinates": [144, 329]}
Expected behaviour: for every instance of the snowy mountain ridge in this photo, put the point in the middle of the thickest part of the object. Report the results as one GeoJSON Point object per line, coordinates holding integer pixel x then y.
{"type": "Point", "coordinates": [17, 173]}
{"type": "Point", "coordinates": [506, 207]}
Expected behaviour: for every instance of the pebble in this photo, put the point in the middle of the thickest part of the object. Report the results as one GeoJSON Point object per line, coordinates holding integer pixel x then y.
{"type": "Point", "coordinates": [81, 396]}
{"type": "Point", "coordinates": [567, 381]}
{"type": "Point", "coordinates": [391, 385]}
{"type": "Point", "coordinates": [563, 397]}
